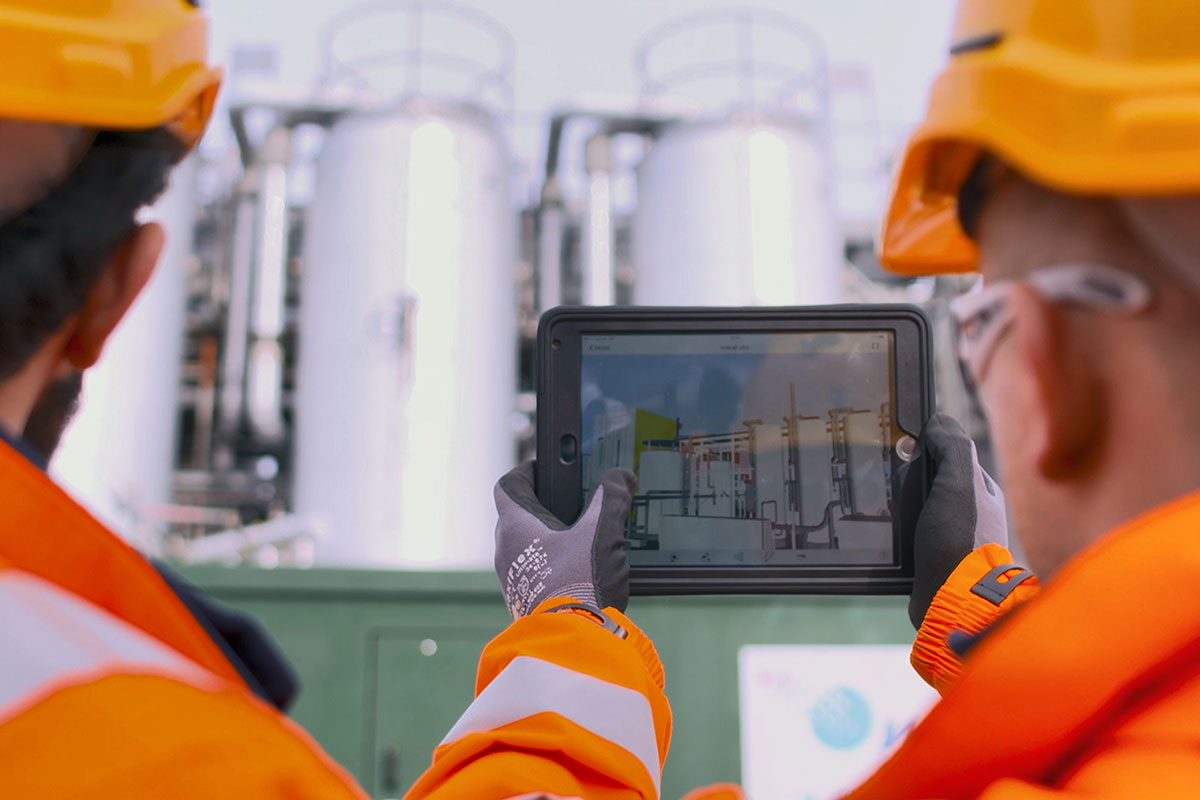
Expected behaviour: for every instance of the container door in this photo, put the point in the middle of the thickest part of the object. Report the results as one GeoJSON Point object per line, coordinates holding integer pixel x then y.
{"type": "Point", "coordinates": [424, 680]}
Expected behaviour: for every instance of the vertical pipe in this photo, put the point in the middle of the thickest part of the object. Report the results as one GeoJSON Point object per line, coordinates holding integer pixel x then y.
{"type": "Point", "coordinates": [264, 380]}
{"type": "Point", "coordinates": [550, 244]}
{"type": "Point", "coordinates": [237, 317]}
{"type": "Point", "coordinates": [206, 397]}
{"type": "Point", "coordinates": [599, 281]}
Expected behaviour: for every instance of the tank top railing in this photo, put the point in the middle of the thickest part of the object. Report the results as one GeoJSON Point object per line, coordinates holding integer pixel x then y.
{"type": "Point", "coordinates": [397, 50]}
{"type": "Point", "coordinates": [722, 61]}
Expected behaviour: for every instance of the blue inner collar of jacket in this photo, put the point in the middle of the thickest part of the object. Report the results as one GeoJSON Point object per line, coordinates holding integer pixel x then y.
{"type": "Point", "coordinates": [22, 446]}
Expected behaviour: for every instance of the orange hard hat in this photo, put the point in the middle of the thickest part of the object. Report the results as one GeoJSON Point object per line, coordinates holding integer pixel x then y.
{"type": "Point", "coordinates": [111, 64]}
{"type": "Point", "coordinates": [1085, 97]}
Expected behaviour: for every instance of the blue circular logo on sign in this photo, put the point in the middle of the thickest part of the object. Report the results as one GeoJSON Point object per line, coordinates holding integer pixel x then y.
{"type": "Point", "coordinates": [841, 718]}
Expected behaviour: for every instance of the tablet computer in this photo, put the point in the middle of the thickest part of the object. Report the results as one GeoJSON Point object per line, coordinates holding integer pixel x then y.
{"type": "Point", "coordinates": [775, 449]}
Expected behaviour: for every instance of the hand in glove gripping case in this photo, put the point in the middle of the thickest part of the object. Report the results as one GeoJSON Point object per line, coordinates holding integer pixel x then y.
{"type": "Point", "coordinates": [964, 511]}
{"type": "Point", "coordinates": [538, 557]}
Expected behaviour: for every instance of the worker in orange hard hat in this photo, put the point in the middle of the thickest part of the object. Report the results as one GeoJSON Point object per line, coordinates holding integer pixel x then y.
{"type": "Point", "coordinates": [116, 680]}
{"type": "Point", "coordinates": [1060, 156]}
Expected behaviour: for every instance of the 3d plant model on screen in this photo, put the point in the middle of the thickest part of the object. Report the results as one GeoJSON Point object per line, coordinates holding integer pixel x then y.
{"type": "Point", "coordinates": [748, 448]}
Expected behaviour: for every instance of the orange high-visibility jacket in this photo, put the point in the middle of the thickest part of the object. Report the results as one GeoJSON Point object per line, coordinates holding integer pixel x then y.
{"type": "Point", "coordinates": [1091, 689]}
{"type": "Point", "coordinates": [109, 687]}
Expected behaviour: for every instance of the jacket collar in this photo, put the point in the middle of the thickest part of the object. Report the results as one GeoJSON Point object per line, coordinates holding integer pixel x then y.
{"type": "Point", "coordinates": [1109, 635]}
{"type": "Point", "coordinates": [46, 533]}
{"type": "Point", "coordinates": [22, 446]}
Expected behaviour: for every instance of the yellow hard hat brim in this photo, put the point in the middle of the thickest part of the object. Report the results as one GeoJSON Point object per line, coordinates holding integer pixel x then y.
{"type": "Point", "coordinates": [1066, 121]}
{"type": "Point", "coordinates": [186, 111]}
{"type": "Point", "coordinates": [126, 64]}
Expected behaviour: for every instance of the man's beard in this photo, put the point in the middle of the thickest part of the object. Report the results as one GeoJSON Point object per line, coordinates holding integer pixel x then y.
{"type": "Point", "coordinates": [52, 413]}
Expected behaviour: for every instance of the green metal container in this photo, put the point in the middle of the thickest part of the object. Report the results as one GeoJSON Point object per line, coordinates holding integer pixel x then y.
{"type": "Point", "coordinates": [388, 658]}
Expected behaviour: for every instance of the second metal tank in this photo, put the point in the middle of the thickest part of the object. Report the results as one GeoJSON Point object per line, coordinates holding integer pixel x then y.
{"type": "Point", "coordinates": [734, 202]}
{"type": "Point", "coordinates": [406, 371]}
{"type": "Point", "coordinates": [735, 212]}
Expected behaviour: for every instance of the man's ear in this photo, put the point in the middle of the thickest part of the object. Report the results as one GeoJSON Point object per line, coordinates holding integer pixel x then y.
{"type": "Point", "coordinates": [110, 298]}
{"type": "Point", "coordinates": [1069, 397]}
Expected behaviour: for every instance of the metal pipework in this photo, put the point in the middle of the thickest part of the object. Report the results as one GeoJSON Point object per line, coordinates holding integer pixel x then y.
{"type": "Point", "coordinates": [610, 122]}
{"type": "Point", "coordinates": [598, 289]}
{"type": "Point", "coordinates": [264, 378]}
{"type": "Point", "coordinates": [599, 284]}
{"type": "Point", "coordinates": [238, 543]}
{"type": "Point", "coordinates": [550, 246]}
{"type": "Point", "coordinates": [237, 318]}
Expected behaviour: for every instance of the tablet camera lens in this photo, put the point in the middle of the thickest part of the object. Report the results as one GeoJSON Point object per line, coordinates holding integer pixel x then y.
{"type": "Point", "coordinates": [568, 449]}
{"type": "Point", "coordinates": [906, 448]}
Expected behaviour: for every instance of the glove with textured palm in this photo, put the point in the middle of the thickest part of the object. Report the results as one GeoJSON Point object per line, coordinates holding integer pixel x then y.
{"type": "Point", "coordinates": [964, 510]}
{"type": "Point", "coordinates": [538, 557]}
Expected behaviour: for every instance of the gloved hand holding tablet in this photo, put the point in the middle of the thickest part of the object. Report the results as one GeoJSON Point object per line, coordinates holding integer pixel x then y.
{"type": "Point", "coordinates": [775, 449]}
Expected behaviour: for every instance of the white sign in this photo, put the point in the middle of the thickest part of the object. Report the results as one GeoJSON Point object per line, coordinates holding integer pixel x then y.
{"type": "Point", "coordinates": [817, 720]}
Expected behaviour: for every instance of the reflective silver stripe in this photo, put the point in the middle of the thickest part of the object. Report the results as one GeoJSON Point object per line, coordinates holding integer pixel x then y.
{"type": "Point", "coordinates": [50, 638]}
{"type": "Point", "coordinates": [529, 686]}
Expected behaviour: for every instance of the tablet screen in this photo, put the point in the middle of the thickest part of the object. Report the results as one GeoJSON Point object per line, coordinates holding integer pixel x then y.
{"type": "Point", "coordinates": [750, 448]}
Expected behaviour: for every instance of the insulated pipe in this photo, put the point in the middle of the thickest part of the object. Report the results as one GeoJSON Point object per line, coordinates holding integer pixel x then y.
{"type": "Point", "coordinates": [599, 280]}
{"type": "Point", "coordinates": [550, 247]}
{"type": "Point", "coordinates": [237, 317]}
{"type": "Point", "coordinates": [241, 544]}
{"type": "Point", "coordinates": [552, 211]}
{"type": "Point", "coordinates": [648, 125]}
{"type": "Point", "coordinates": [264, 379]}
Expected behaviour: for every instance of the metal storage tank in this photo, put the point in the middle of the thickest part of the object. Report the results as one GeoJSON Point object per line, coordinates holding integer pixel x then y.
{"type": "Point", "coordinates": [734, 203]}
{"type": "Point", "coordinates": [407, 354]}
{"type": "Point", "coordinates": [735, 213]}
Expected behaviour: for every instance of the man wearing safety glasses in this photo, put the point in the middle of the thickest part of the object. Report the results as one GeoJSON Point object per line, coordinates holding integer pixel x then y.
{"type": "Point", "coordinates": [1060, 156]}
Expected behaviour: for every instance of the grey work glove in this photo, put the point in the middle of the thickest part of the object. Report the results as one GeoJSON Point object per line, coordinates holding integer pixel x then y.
{"type": "Point", "coordinates": [964, 510]}
{"type": "Point", "coordinates": [537, 556]}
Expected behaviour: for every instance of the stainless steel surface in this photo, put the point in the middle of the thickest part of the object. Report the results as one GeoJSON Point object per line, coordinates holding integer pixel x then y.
{"type": "Point", "coordinates": [264, 377]}
{"type": "Point", "coordinates": [550, 247]}
{"type": "Point", "coordinates": [735, 204]}
{"type": "Point", "coordinates": [237, 316]}
{"type": "Point", "coordinates": [354, 314]}
{"type": "Point", "coordinates": [408, 318]}
{"type": "Point", "coordinates": [736, 212]}
{"type": "Point", "coordinates": [599, 280]}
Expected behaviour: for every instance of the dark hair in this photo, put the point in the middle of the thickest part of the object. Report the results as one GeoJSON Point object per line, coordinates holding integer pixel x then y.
{"type": "Point", "coordinates": [52, 253]}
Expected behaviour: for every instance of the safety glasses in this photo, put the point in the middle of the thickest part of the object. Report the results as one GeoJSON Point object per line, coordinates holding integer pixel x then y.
{"type": "Point", "coordinates": [982, 317]}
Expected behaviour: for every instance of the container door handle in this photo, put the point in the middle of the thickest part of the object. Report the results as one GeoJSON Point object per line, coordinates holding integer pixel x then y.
{"type": "Point", "coordinates": [391, 768]}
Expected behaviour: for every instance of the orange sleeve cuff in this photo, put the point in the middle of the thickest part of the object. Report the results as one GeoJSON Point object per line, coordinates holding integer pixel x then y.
{"type": "Point", "coordinates": [535, 746]}
{"type": "Point", "coordinates": [956, 607]}
{"type": "Point", "coordinates": [578, 642]}
{"type": "Point", "coordinates": [718, 791]}
{"type": "Point", "coordinates": [644, 646]}
{"type": "Point", "coordinates": [639, 640]}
